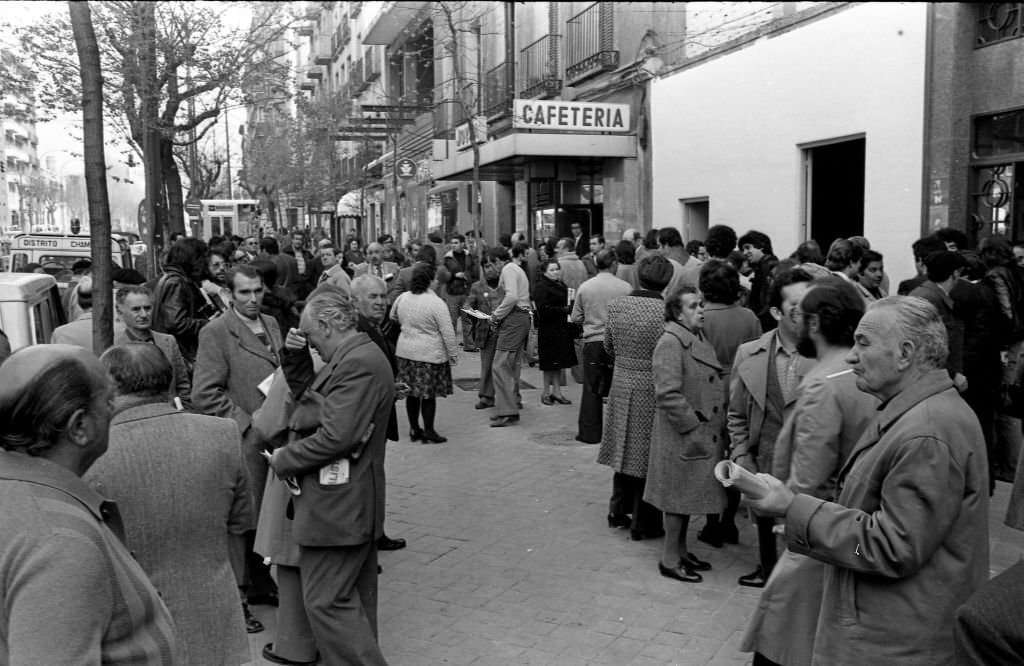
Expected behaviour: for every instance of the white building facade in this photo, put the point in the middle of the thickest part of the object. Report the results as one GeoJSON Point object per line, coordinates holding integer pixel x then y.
{"type": "Point", "coordinates": [813, 130]}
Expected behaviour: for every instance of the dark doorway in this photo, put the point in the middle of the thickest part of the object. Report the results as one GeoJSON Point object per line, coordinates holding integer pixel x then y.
{"type": "Point", "coordinates": [589, 216]}
{"type": "Point", "coordinates": [835, 186]}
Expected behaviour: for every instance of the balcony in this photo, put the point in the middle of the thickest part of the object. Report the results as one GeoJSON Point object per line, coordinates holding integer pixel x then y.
{"type": "Point", "coordinates": [497, 97]}
{"type": "Point", "coordinates": [392, 21]}
{"type": "Point", "coordinates": [590, 43]}
{"type": "Point", "coordinates": [315, 73]}
{"type": "Point", "coordinates": [322, 52]}
{"type": "Point", "coordinates": [340, 37]}
{"type": "Point", "coordinates": [539, 68]}
{"type": "Point", "coordinates": [305, 29]}
{"type": "Point", "coordinates": [354, 9]}
{"type": "Point", "coordinates": [371, 58]}
{"type": "Point", "coordinates": [448, 112]}
{"type": "Point", "coordinates": [357, 77]}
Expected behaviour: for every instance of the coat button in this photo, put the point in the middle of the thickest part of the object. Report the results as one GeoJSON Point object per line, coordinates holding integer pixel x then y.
{"type": "Point", "coordinates": [711, 379]}
{"type": "Point", "coordinates": [714, 438]}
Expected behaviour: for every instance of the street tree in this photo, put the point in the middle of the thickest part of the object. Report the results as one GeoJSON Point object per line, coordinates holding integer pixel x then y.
{"type": "Point", "coordinates": [95, 173]}
{"type": "Point", "coordinates": [171, 69]}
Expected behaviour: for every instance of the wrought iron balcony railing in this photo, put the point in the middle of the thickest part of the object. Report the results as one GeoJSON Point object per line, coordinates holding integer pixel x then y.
{"type": "Point", "coordinates": [497, 96]}
{"type": "Point", "coordinates": [538, 68]}
{"type": "Point", "coordinates": [590, 43]}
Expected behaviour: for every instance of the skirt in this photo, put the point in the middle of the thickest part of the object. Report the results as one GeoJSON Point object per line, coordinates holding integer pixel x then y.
{"type": "Point", "coordinates": [425, 380]}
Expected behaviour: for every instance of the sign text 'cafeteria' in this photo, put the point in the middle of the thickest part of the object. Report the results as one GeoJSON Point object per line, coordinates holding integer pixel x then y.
{"type": "Point", "coordinates": [554, 114]}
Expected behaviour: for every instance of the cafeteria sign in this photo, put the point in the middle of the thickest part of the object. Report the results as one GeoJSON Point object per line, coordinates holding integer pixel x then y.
{"type": "Point", "coordinates": [555, 114]}
{"type": "Point", "coordinates": [406, 168]}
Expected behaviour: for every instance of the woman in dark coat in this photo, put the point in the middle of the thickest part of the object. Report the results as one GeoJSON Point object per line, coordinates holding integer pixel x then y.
{"type": "Point", "coordinates": [555, 334]}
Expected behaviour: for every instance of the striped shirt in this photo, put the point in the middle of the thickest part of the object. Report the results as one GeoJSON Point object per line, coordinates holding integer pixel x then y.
{"type": "Point", "coordinates": [72, 593]}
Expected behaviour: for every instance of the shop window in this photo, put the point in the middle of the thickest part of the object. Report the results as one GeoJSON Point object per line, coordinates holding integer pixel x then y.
{"type": "Point", "coordinates": [999, 134]}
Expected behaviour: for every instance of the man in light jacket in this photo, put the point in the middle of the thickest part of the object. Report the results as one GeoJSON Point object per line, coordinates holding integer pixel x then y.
{"type": "Point", "coordinates": [906, 541]}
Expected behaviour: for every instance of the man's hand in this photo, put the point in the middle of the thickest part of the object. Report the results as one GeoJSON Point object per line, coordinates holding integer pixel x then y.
{"type": "Point", "coordinates": [776, 502]}
{"type": "Point", "coordinates": [960, 382]}
{"type": "Point", "coordinates": [401, 390]}
{"type": "Point", "coordinates": [295, 341]}
{"type": "Point", "coordinates": [747, 462]}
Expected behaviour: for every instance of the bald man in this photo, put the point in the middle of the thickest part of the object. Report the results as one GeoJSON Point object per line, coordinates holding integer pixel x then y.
{"type": "Point", "coordinates": [375, 264]}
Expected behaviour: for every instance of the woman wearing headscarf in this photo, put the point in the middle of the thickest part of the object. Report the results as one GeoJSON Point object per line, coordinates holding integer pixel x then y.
{"type": "Point", "coordinates": [635, 323]}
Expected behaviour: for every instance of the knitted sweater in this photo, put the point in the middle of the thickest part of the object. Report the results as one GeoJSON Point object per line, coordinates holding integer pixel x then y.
{"type": "Point", "coordinates": [427, 334]}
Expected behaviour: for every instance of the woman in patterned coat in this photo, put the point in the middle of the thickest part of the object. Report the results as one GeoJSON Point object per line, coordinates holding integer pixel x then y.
{"type": "Point", "coordinates": [635, 323]}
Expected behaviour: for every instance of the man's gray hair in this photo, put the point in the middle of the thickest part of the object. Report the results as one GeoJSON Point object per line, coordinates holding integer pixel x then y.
{"type": "Point", "coordinates": [916, 319]}
{"type": "Point", "coordinates": [334, 307]}
{"type": "Point", "coordinates": [362, 284]}
{"type": "Point", "coordinates": [139, 369]}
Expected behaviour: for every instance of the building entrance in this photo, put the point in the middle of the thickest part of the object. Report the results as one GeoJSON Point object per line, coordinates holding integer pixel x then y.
{"type": "Point", "coordinates": [834, 191]}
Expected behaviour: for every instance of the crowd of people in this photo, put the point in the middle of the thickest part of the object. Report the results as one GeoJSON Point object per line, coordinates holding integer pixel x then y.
{"type": "Point", "coordinates": [240, 421]}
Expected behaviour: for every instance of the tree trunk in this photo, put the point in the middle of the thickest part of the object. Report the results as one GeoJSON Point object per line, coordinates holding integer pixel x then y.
{"type": "Point", "coordinates": [149, 104]}
{"type": "Point", "coordinates": [172, 184]}
{"type": "Point", "coordinates": [95, 175]}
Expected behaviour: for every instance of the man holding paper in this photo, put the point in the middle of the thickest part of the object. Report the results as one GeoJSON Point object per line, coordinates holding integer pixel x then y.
{"type": "Point", "coordinates": [906, 541]}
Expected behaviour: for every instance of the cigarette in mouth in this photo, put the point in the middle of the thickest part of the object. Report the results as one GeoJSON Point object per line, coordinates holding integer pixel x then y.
{"type": "Point", "coordinates": [839, 374]}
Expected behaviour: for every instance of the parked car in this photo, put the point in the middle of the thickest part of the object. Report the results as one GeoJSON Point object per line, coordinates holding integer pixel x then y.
{"type": "Point", "coordinates": [30, 308]}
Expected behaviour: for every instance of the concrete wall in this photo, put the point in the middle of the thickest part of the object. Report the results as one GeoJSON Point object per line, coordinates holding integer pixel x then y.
{"type": "Point", "coordinates": [732, 128]}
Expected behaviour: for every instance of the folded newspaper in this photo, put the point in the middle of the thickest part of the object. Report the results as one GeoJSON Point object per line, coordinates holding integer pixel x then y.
{"type": "Point", "coordinates": [729, 474]}
{"type": "Point", "coordinates": [473, 312]}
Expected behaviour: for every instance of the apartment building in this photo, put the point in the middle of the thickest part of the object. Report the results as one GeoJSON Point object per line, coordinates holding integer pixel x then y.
{"type": "Point", "coordinates": [20, 176]}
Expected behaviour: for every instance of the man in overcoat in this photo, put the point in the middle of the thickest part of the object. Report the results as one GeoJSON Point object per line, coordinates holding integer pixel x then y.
{"type": "Point", "coordinates": [237, 352]}
{"type": "Point", "coordinates": [339, 514]}
{"type": "Point", "coordinates": [906, 541]}
{"type": "Point", "coordinates": [763, 387]}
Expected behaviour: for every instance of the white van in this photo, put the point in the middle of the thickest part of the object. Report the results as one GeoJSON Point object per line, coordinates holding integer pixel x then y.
{"type": "Point", "coordinates": [57, 253]}
{"type": "Point", "coordinates": [30, 308]}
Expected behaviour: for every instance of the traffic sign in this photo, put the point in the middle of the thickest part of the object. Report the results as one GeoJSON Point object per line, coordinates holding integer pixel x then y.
{"type": "Point", "coordinates": [406, 168]}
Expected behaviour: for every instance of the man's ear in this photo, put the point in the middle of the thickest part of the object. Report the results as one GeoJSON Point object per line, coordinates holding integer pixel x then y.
{"type": "Point", "coordinates": [905, 351]}
{"type": "Point", "coordinates": [775, 313]}
{"type": "Point", "coordinates": [78, 428]}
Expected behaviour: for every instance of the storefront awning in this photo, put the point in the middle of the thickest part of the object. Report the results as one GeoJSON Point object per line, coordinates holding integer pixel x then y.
{"type": "Point", "coordinates": [503, 158]}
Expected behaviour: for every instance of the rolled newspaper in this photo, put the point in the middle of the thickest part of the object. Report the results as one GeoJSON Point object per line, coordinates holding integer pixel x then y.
{"type": "Point", "coordinates": [730, 474]}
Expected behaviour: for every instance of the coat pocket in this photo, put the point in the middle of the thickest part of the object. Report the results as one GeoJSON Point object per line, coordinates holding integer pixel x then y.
{"type": "Point", "coordinates": [846, 584]}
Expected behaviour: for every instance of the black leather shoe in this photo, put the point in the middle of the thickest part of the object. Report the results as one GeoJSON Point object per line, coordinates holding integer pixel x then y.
{"type": "Point", "coordinates": [615, 521]}
{"type": "Point", "coordinates": [431, 437]}
{"type": "Point", "coordinates": [711, 536]}
{"type": "Point", "coordinates": [273, 657]}
{"type": "Point", "coordinates": [415, 435]}
{"type": "Point", "coordinates": [690, 561]}
{"type": "Point", "coordinates": [504, 421]}
{"type": "Point", "coordinates": [754, 579]}
{"type": "Point", "coordinates": [682, 574]}
{"type": "Point", "coordinates": [387, 543]}
{"type": "Point", "coordinates": [483, 404]}
{"type": "Point", "coordinates": [729, 534]}
{"type": "Point", "coordinates": [252, 625]}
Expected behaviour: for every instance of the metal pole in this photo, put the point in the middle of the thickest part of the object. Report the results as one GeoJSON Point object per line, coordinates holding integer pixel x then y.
{"type": "Point", "coordinates": [227, 148]}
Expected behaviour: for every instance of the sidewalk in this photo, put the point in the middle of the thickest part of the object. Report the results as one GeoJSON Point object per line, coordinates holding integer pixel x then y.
{"type": "Point", "coordinates": [510, 560]}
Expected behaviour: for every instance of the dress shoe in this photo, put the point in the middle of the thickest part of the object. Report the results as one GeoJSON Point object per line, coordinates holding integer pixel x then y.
{"type": "Point", "coordinates": [547, 400]}
{"type": "Point", "coordinates": [711, 536]}
{"type": "Point", "coordinates": [682, 574]}
{"type": "Point", "coordinates": [639, 535]}
{"type": "Point", "coordinates": [615, 521]}
{"type": "Point", "coordinates": [561, 399]}
{"type": "Point", "coordinates": [585, 441]}
{"type": "Point", "coordinates": [729, 534]}
{"type": "Point", "coordinates": [483, 404]}
{"type": "Point", "coordinates": [415, 435]}
{"type": "Point", "coordinates": [690, 561]}
{"type": "Point", "coordinates": [754, 579]}
{"type": "Point", "coordinates": [252, 625]}
{"type": "Point", "coordinates": [273, 657]}
{"type": "Point", "coordinates": [387, 543]}
{"type": "Point", "coordinates": [504, 421]}
{"type": "Point", "coordinates": [431, 437]}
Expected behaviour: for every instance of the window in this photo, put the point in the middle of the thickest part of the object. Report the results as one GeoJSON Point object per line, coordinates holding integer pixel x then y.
{"type": "Point", "coordinates": [998, 22]}
{"type": "Point", "coordinates": [999, 134]}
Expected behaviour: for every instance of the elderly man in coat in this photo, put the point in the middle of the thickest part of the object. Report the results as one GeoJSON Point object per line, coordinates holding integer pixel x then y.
{"type": "Point", "coordinates": [829, 417]}
{"type": "Point", "coordinates": [184, 496]}
{"type": "Point", "coordinates": [906, 541]}
{"type": "Point", "coordinates": [339, 466]}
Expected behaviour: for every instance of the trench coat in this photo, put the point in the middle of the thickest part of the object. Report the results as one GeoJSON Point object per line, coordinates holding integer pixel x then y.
{"type": "Point", "coordinates": [827, 421]}
{"type": "Point", "coordinates": [906, 542]}
{"type": "Point", "coordinates": [635, 323]}
{"type": "Point", "coordinates": [179, 481]}
{"type": "Point", "coordinates": [686, 443]}
{"type": "Point", "coordinates": [555, 335]}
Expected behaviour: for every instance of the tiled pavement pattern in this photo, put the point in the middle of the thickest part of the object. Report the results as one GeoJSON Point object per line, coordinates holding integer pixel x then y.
{"type": "Point", "coordinates": [510, 560]}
